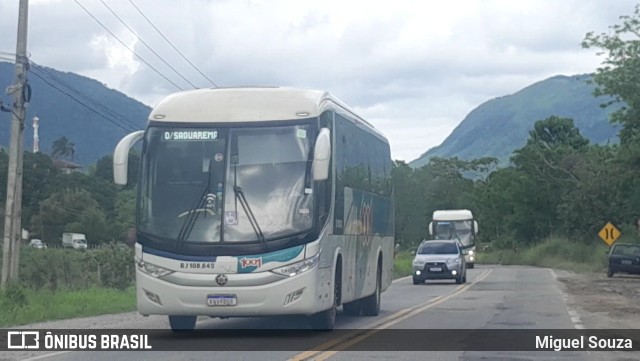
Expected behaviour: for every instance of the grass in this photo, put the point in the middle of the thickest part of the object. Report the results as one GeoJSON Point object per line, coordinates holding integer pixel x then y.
{"type": "Point", "coordinates": [556, 253]}
{"type": "Point", "coordinates": [402, 265]}
{"type": "Point", "coordinates": [20, 306]}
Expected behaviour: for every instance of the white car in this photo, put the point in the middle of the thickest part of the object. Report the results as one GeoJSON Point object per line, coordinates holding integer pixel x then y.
{"type": "Point", "coordinates": [439, 259]}
{"type": "Point", "coordinates": [37, 243]}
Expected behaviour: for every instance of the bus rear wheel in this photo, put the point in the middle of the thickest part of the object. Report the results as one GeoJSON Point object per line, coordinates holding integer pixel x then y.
{"type": "Point", "coordinates": [182, 323]}
{"type": "Point", "coordinates": [371, 304]}
{"type": "Point", "coordinates": [353, 308]}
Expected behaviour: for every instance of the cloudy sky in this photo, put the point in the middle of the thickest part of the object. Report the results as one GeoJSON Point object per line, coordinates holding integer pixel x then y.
{"type": "Point", "coordinates": [414, 69]}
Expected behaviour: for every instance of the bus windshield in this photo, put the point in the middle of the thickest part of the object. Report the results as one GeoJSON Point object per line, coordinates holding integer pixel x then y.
{"type": "Point", "coordinates": [191, 177]}
{"type": "Point", "coordinates": [458, 230]}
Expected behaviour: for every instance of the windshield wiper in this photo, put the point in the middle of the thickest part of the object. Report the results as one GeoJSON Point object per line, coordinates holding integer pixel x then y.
{"type": "Point", "coordinates": [239, 193]}
{"type": "Point", "coordinates": [247, 209]}
{"type": "Point", "coordinates": [193, 213]}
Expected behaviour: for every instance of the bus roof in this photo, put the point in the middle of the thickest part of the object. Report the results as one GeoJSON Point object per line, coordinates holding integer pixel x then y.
{"type": "Point", "coordinates": [249, 104]}
{"type": "Point", "coordinates": [452, 215]}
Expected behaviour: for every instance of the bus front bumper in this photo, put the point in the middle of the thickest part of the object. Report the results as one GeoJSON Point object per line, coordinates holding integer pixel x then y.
{"type": "Point", "coordinates": [296, 295]}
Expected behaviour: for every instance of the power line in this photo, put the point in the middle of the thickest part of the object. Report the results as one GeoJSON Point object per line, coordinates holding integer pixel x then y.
{"type": "Point", "coordinates": [126, 46]}
{"type": "Point", "coordinates": [170, 43]}
{"type": "Point", "coordinates": [106, 109]}
{"type": "Point", "coordinates": [81, 103]}
{"type": "Point", "coordinates": [147, 45]}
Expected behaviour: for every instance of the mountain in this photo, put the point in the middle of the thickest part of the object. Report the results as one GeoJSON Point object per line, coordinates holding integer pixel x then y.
{"type": "Point", "coordinates": [500, 126]}
{"type": "Point", "coordinates": [93, 135]}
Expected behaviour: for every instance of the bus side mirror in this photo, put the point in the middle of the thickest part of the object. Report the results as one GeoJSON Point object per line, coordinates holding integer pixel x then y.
{"type": "Point", "coordinates": [431, 228]}
{"type": "Point", "coordinates": [475, 226]}
{"type": "Point", "coordinates": [121, 157]}
{"type": "Point", "coordinates": [322, 155]}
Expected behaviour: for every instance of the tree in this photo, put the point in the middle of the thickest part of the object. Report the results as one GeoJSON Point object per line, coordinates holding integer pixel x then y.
{"type": "Point", "coordinates": [104, 168]}
{"type": "Point", "coordinates": [62, 148]}
{"type": "Point", "coordinates": [71, 211]}
{"type": "Point", "coordinates": [619, 74]}
{"type": "Point", "coordinates": [619, 78]}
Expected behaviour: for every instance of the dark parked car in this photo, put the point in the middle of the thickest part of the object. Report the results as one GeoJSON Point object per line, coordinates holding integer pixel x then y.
{"type": "Point", "coordinates": [442, 259]}
{"type": "Point", "coordinates": [624, 257]}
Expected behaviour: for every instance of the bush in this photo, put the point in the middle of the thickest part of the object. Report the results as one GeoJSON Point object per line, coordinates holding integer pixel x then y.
{"type": "Point", "coordinates": [402, 265]}
{"type": "Point", "coordinates": [108, 266]}
{"type": "Point", "coordinates": [554, 253]}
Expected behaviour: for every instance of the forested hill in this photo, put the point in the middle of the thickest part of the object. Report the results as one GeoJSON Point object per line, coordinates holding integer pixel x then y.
{"type": "Point", "coordinates": [60, 115]}
{"type": "Point", "coordinates": [499, 126]}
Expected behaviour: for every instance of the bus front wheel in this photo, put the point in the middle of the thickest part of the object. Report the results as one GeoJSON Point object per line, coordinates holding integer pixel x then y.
{"type": "Point", "coordinates": [326, 320]}
{"type": "Point", "coordinates": [182, 323]}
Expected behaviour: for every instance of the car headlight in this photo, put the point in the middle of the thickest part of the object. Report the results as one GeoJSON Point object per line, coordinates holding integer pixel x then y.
{"type": "Point", "coordinates": [453, 261]}
{"type": "Point", "coordinates": [152, 269]}
{"type": "Point", "coordinates": [298, 267]}
{"type": "Point", "coordinates": [419, 262]}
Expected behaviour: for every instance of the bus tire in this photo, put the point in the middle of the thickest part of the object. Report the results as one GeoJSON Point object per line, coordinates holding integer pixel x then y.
{"type": "Point", "coordinates": [371, 304]}
{"type": "Point", "coordinates": [326, 320]}
{"type": "Point", "coordinates": [352, 308]}
{"type": "Point", "coordinates": [182, 323]}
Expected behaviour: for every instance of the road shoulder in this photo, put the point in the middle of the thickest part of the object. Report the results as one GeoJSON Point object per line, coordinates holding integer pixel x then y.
{"type": "Point", "coordinates": [602, 302]}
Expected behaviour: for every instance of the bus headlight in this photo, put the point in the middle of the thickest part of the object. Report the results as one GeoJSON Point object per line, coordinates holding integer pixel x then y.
{"type": "Point", "coordinates": [299, 267]}
{"type": "Point", "coordinates": [471, 252]}
{"type": "Point", "coordinates": [153, 270]}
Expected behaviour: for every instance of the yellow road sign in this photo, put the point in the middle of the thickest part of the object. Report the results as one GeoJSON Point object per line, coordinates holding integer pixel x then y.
{"type": "Point", "coordinates": [609, 233]}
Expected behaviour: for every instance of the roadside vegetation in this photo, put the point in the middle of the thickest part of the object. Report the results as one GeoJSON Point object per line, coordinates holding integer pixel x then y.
{"type": "Point", "coordinates": [402, 265]}
{"type": "Point", "coordinates": [60, 283]}
{"type": "Point", "coordinates": [21, 306]}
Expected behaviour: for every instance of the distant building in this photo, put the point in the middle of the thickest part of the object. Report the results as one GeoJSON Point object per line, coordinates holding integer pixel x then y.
{"type": "Point", "coordinates": [66, 166]}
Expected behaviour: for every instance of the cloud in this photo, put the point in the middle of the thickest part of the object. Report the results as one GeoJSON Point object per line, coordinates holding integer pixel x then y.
{"type": "Point", "coordinates": [414, 69]}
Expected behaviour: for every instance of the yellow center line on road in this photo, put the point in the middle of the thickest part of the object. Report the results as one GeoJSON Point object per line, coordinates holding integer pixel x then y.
{"type": "Point", "coordinates": [360, 335]}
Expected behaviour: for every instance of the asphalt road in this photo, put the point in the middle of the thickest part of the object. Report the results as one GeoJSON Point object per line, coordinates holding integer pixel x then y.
{"type": "Point", "coordinates": [493, 298]}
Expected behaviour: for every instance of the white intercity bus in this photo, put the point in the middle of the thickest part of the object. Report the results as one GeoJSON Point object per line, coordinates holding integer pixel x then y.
{"type": "Point", "coordinates": [457, 224]}
{"type": "Point", "coordinates": [260, 201]}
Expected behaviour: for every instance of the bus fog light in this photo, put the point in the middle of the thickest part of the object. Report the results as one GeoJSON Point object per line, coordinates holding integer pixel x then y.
{"type": "Point", "coordinates": [299, 267]}
{"type": "Point", "coordinates": [152, 297]}
{"type": "Point", "coordinates": [471, 258]}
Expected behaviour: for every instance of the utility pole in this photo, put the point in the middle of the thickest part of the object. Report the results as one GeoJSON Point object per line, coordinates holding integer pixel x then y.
{"type": "Point", "coordinates": [13, 211]}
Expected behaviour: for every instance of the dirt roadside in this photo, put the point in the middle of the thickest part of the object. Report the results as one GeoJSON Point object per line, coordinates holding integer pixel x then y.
{"type": "Point", "coordinates": [603, 302]}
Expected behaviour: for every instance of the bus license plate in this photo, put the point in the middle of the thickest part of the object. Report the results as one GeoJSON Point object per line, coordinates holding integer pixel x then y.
{"type": "Point", "coordinates": [435, 269]}
{"type": "Point", "coordinates": [222, 300]}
